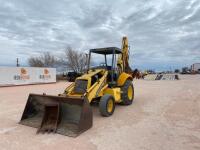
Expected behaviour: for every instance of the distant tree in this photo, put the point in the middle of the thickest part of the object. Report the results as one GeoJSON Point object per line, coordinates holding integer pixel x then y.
{"type": "Point", "coordinates": [74, 60]}
{"type": "Point", "coordinates": [35, 62]}
{"type": "Point", "coordinates": [44, 60]}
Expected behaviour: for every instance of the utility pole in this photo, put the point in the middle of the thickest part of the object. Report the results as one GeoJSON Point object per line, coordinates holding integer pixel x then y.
{"type": "Point", "coordinates": [17, 63]}
{"type": "Point", "coordinates": [87, 61]}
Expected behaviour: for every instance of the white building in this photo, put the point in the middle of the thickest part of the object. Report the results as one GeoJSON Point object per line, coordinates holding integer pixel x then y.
{"type": "Point", "coordinates": [195, 67]}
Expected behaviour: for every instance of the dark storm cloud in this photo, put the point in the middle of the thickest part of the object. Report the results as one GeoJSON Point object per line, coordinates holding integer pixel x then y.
{"type": "Point", "coordinates": [161, 33]}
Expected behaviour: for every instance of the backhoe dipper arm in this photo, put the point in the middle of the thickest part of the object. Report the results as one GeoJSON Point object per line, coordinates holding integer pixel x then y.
{"type": "Point", "coordinates": [123, 59]}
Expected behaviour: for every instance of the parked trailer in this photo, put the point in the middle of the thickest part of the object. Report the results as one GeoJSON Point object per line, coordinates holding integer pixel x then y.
{"type": "Point", "coordinates": [195, 68]}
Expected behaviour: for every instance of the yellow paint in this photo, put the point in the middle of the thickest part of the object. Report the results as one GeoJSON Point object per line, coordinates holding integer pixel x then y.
{"type": "Point", "coordinates": [130, 92]}
{"type": "Point", "coordinates": [96, 88]}
{"type": "Point", "coordinates": [92, 90]}
{"type": "Point", "coordinates": [91, 73]}
{"type": "Point", "coordinates": [110, 105]}
{"type": "Point", "coordinates": [122, 78]}
{"type": "Point", "coordinates": [124, 57]}
{"type": "Point", "coordinates": [69, 89]}
{"type": "Point", "coordinates": [101, 93]}
{"type": "Point", "coordinates": [115, 92]}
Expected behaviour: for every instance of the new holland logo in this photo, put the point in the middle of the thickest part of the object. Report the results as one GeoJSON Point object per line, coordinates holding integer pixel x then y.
{"type": "Point", "coordinates": [23, 75]}
{"type": "Point", "coordinates": [45, 75]}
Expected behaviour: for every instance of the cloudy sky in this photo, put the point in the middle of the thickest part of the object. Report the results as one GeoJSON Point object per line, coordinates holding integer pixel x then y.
{"type": "Point", "coordinates": [163, 34]}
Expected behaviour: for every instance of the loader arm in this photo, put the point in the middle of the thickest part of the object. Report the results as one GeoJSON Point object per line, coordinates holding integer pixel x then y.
{"type": "Point", "coordinates": [95, 90]}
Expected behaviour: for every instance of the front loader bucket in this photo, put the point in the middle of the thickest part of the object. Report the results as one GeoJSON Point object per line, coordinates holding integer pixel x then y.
{"type": "Point", "coordinates": [64, 115]}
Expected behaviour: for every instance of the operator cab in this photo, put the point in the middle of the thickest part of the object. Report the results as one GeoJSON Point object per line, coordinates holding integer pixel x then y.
{"type": "Point", "coordinates": [107, 52]}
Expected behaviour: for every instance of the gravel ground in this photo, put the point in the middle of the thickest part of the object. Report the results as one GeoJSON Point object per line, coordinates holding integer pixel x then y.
{"type": "Point", "coordinates": [165, 115]}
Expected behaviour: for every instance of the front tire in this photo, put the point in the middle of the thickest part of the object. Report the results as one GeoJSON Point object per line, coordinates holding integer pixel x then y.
{"type": "Point", "coordinates": [127, 95]}
{"type": "Point", "coordinates": [107, 105]}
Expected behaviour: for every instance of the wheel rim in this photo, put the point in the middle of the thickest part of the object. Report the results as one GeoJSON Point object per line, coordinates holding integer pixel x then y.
{"type": "Point", "coordinates": [130, 93]}
{"type": "Point", "coordinates": [110, 105]}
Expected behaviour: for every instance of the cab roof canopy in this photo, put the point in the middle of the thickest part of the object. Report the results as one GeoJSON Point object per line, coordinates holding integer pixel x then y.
{"type": "Point", "coordinates": [106, 50]}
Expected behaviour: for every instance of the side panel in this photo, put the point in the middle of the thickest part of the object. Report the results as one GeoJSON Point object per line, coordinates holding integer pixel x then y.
{"type": "Point", "coordinates": [122, 78]}
{"type": "Point", "coordinates": [115, 92]}
{"type": "Point", "coordinates": [95, 89]}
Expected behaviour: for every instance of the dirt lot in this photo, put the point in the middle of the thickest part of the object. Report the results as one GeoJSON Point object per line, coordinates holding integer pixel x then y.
{"type": "Point", "coordinates": [164, 116]}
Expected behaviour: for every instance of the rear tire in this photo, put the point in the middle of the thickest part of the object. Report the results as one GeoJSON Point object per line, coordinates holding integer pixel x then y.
{"type": "Point", "coordinates": [127, 95]}
{"type": "Point", "coordinates": [107, 105]}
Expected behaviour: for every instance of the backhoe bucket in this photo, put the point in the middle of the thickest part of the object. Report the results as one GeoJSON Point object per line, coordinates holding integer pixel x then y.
{"type": "Point", "coordinates": [64, 115]}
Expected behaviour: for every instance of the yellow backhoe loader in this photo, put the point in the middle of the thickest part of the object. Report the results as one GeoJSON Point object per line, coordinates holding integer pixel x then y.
{"type": "Point", "coordinates": [70, 113]}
